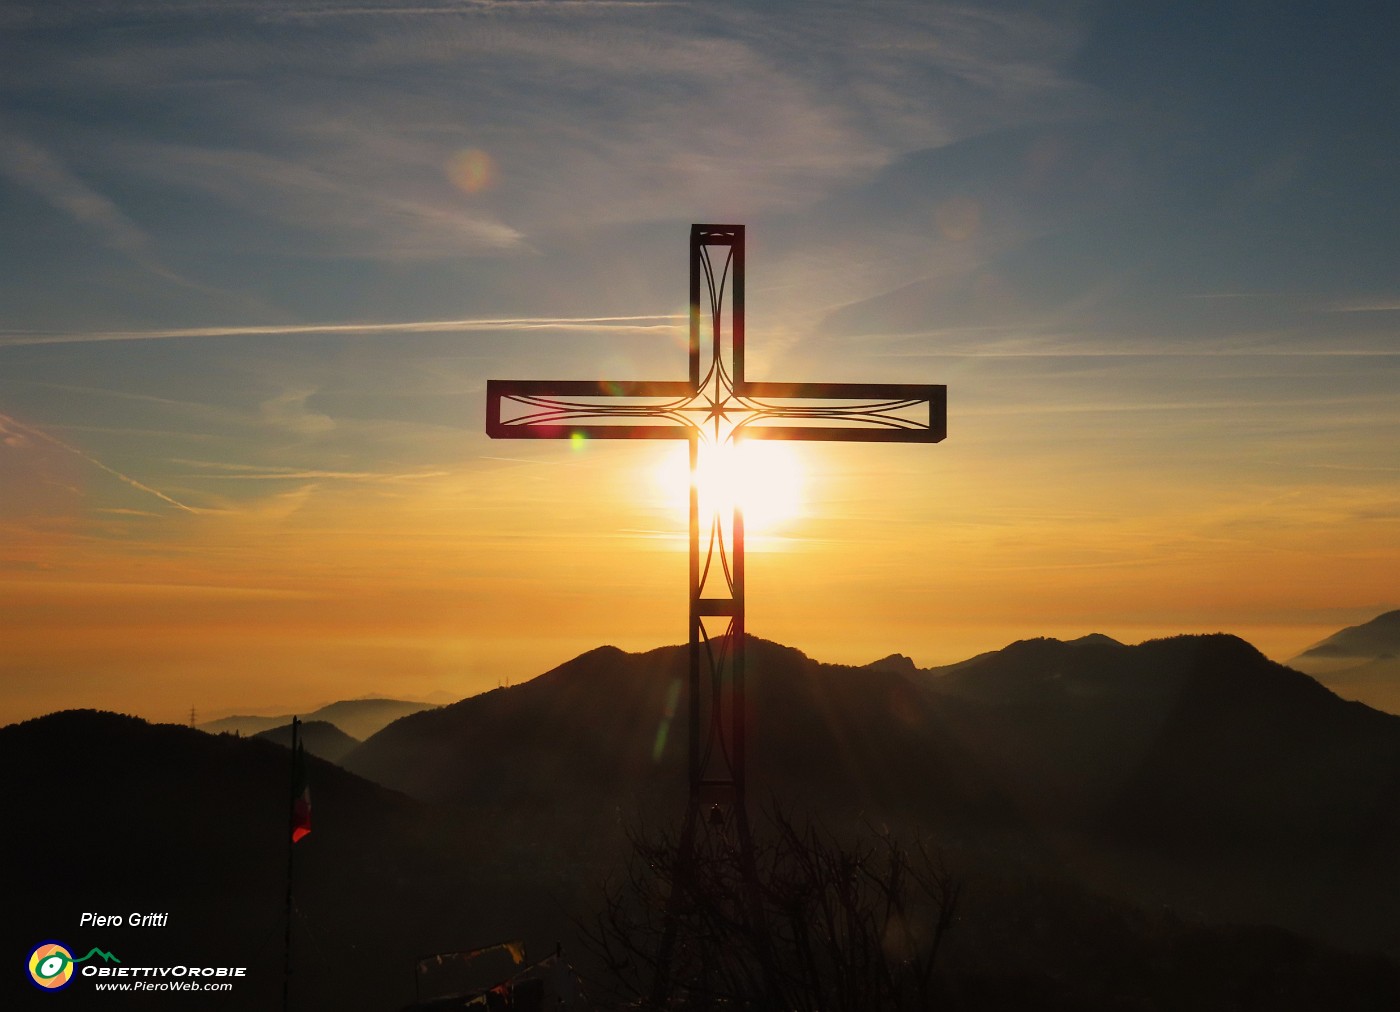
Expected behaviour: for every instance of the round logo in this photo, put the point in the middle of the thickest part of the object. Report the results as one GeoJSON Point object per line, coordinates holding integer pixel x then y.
{"type": "Point", "coordinates": [51, 966]}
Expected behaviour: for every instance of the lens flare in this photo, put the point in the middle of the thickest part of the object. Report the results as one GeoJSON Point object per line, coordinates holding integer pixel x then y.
{"type": "Point", "coordinates": [959, 218]}
{"type": "Point", "coordinates": [472, 170]}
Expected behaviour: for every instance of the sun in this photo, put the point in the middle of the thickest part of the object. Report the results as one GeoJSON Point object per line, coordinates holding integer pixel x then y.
{"type": "Point", "coordinates": [763, 478]}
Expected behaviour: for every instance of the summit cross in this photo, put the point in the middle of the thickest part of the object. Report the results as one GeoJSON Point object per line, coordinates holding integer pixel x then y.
{"type": "Point", "coordinates": [716, 407]}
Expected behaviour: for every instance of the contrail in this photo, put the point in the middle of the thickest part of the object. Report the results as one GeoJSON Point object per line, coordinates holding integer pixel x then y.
{"type": "Point", "coordinates": [593, 323]}
{"type": "Point", "coordinates": [10, 423]}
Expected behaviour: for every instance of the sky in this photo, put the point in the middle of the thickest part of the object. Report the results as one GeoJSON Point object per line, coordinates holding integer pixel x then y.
{"type": "Point", "coordinates": [261, 257]}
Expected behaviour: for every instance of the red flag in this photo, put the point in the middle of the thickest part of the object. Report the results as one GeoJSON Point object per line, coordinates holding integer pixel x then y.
{"type": "Point", "coordinates": [301, 795]}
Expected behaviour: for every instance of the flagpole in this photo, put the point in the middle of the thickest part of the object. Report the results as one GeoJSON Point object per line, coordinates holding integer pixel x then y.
{"type": "Point", "coordinates": [291, 852]}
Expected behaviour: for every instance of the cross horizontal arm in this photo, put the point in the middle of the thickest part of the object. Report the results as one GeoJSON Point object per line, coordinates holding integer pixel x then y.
{"type": "Point", "coordinates": [597, 409]}
{"type": "Point", "coordinates": [859, 412]}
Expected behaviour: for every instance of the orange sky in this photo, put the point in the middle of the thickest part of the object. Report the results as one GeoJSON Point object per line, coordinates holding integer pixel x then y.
{"type": "Point", "coordinates": [256, 283]}
{"type": "Point", "coordinates": [453, 582]}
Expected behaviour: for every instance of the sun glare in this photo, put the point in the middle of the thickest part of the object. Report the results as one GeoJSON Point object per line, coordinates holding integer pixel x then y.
{"type": "Point", "coordinates": [763, 478]}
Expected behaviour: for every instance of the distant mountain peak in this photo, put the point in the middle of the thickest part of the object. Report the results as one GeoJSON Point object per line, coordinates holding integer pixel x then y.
{"type": "Point", "coordinates": [319, 737]}
{"type": "Point", "coordinates": [358, 718]}
{"type": "Point", "coordinates": [1360, 662]}
{"type": "Point", "coordinates": [1096, 666]}
{"type": "Point", "coordinates": [1225, 645]}
{"type": "Point", "coordinates": [606, 650]}
{"type": "Point", "coordinates": [1050, 642]}
{"type": "Point", "coordinates": [1374, 639]}
{"type": "Point", "coordinates": [900, 664]}
{"type": "Point", "coordinates": [1095, 640]}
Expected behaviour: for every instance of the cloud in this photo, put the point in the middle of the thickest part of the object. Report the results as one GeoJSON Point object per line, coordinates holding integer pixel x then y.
{"type": "Point", "coordinates": [259, 472]}
{"type": "Point", "coordinates": [288, 410]}
{"type": "Point", "coordinates": [365, 212]}
{"type": "Point", "coordinates": [1390, 305]}
{"type": "Point", "coordinates": [39, 170]}
{"type": "Point", "coordinates": [1017, 349]}
{"type": "Point", "coordinates": [58, 12]}
{"type": "Point", "coordinates": [591, 324]}
{"type": "Point", "coordinates": [343, 127]}
{"type": "Point", "coordinates": [11, 426]}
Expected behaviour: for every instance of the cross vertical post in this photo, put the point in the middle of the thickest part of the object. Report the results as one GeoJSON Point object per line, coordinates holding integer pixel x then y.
{"type": "Point", "coordinates": [717, 743]}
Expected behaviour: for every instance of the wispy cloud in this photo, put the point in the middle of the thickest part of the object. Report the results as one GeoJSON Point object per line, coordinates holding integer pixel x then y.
{"type": "Point", "coordinates": [277, 10]}
{"type": "Point", "coordinates": [595, 113]}
{"type": "Point", "coordinates": [288, 410]}
{"type": "Point", "coordinates": [368, 199]}
{"type": "Point", "coordinates": [454, 8]}
{"type": "Point", "coordinates": [259, 472]}
{"type": "Point", "coordinates": [1384, 305]}
{"type": "Point", "coordinates": [992, 342]}
{"type": "Point", "coordinates": [10, 426]}
{"type": "Point", "coordinates": [593, 324]}
{"type": "Point", "coordinates": [40, 171]}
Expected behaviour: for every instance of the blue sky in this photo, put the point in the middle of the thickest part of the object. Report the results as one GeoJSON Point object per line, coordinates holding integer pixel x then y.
{"type": "Point", "coordinates": [262, 257]}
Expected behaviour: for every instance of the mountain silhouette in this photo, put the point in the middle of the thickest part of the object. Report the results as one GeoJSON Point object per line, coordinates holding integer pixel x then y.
{"type": "Point", "coordinates": [1194, 771]}
{"type": "Point", "coordinates": [1379, 637]}
{"type": "Point", "coordinates": [1120, 815]}
{"type": "Point", "coordinates": [1360, 662]}
{"type": "Point", "coordinates": [359, 718]}
{"type": "Point", "coordinates": [1188, 770]}
{"type": "Point", "coordinates": [607, 729]}
{"type": "Point", "coordinates": [319, 737]}
{"type": "Point", "coordinates": [109, 814]}
{"type": "Point", "coordinates": [898, 663]}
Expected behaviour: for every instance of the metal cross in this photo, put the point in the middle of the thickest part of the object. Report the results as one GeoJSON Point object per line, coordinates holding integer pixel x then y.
{"type": "Point", "coordinates": [717, 407]}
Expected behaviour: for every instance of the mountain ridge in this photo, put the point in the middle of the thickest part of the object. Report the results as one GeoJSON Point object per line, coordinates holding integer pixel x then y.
{"type": "Point", "coordinates": [1377, 637]}
{"type": "Point", "coordinates": [358, 718]}
{"type": "Point", "coordinates": [1194, 754]}
{"type": "Point", "coordinates": [1076, 784]}
{"type": "Point", "coordinates": [382, 880]}
{"type": "Point", "coordinates": [196, 825]}
{"type": "Point", "coordinates": [1360, 662]}
{"type": "Point", "coordinates": [320, 738]}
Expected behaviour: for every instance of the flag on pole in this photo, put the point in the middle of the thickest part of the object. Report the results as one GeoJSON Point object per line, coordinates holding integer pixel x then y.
{"type": "Point", "coordinates": [301, 792]}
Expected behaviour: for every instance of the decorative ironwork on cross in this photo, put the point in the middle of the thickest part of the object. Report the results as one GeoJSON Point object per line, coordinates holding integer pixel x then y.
{"type": "Point", "coordinates": [716, 407]}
